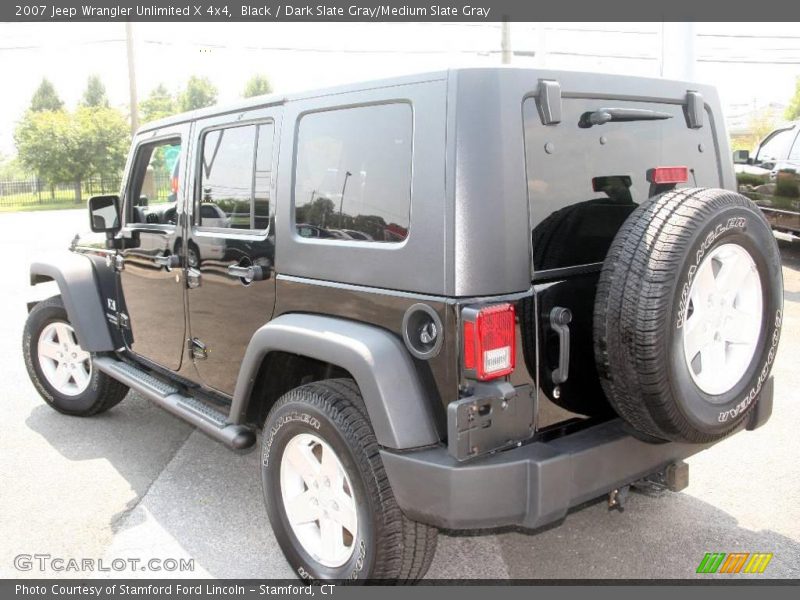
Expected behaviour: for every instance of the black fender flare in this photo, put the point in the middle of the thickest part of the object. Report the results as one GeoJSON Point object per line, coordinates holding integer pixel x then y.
{"type": "Point", "coordinates": [396, 403]}
{"type": "Point", "coordinates": [74, 274]}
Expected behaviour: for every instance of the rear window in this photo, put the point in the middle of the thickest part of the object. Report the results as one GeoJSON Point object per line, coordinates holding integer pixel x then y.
{"type": "Point", "coordinates": [353, 174]}
{"type": "Point", "coordinates": [583, 182]}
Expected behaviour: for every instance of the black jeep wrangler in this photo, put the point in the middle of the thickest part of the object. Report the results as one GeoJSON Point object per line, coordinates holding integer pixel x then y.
{"type": "Point", "coordinates": [466, 299]}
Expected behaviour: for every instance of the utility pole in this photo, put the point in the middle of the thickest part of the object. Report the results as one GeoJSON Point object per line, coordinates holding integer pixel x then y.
{"type": "Point", "coordinates": [505, 41]}
{"type": "Point", "coordinates": [341, 202]}
{"type": "Point", "coordinates": [132, 78]}
{"type": "Point", "coordinates": [678, 52]}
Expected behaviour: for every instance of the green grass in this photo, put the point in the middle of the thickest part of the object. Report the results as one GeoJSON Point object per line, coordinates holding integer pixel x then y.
{"type": "Point", "coordinates": [27, 201]}
{"type": "Point", "coordinates": [58, 200]}
{"type": "Point", "coordinates": [58, 205]}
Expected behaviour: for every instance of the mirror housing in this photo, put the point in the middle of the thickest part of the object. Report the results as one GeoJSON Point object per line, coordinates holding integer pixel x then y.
{"type": "Point", "coordinates": [741, 157]}
{"type": "Point", "coordinates": [104, 214]}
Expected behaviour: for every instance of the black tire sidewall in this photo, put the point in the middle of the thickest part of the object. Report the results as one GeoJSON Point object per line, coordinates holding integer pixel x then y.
{"type": "Point", "coordinates": [284, 423]}
{"type": "Point", "coordinates": [40, 317]}
{"type": "Point", "coordinates": [744, 226]}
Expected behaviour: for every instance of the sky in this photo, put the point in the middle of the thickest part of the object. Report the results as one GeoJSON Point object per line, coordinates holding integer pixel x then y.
{"type": "Point", "coordinates": [752, 65]}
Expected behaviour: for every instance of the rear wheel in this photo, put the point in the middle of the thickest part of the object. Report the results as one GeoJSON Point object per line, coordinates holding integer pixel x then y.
{"type": "Point", "coordinates": [327, 495]}
{"type": "Point", "coordinates": [688, 314]}
{"type": "Point", "coordinates": [62, 371]}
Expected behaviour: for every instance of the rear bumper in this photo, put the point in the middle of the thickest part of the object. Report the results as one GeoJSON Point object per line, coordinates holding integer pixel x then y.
{"type": "Point", "coordinates": [535, 484]}
{"type": "Point", "coordinates": [528, 486]}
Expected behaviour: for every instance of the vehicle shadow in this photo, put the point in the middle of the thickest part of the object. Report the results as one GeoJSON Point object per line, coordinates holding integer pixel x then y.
{"type": "Point", "coordinates": [662, 537]}
{"type": "Point", "coordinates": [790, 254]}
{"type": "Point", "coordinates": [136, 437]}
{"type": "Point", "coordinates": [194, 498]}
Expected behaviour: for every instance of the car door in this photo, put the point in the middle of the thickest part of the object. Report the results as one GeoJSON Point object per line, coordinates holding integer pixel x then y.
{"type": "Point", "coordinates": [786, 216]}
{"type": "Point", "coordinates": [150, 277]}
{"type": "Point", "coordinates": [771, 179]}
{"type": "Point", "coordinates": [231, 248]}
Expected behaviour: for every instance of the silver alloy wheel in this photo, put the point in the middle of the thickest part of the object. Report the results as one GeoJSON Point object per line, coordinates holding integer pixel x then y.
{"type": "Point", "coordinates": [65, 365]}
{"type": "Point", "coordinates": [319, 500]}
{"type": "Point", "coordinates": [722, 321]}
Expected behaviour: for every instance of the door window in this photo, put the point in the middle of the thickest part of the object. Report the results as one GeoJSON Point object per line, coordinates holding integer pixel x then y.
{"type": "Point", "coordinates": [235, 178]}
{"type": "Point", "coordinates": [153, 191]}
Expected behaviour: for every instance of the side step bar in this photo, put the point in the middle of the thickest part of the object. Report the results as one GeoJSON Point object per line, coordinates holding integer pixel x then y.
{"type": "Point", "coordinates": [211, 422]}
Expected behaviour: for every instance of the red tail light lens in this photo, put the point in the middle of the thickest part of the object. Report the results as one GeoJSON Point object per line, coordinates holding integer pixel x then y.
{"type": "Point", "coordinates": [174, 185]}
{"type": "Point", "coordinates": [669, 175]}
{"type": "Point", "coordinates": [490, 341]}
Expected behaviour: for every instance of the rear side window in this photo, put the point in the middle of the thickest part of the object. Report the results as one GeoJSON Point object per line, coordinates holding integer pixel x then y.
{"type": "Point", "coordinates": [353, 174]}
{"type": "Point", "coordinates": [235, 176]}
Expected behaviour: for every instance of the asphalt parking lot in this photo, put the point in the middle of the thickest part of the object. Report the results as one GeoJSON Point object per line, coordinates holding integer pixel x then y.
{"type": "Point", "coordinates": [138, 483]}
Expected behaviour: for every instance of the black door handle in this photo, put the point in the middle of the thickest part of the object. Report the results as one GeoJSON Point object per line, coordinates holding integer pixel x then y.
{"type": "Point", "coordinates": [560, 319]}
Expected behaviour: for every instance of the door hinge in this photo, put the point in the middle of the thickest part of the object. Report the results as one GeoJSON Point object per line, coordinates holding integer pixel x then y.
{"type": "Point", "coordinates": [198, 349]}
{"type": "Point", "coordinates": [548, 102]}
{"type": "Point", "coordinates": [119, 262]}
{"type": "Point", "coordinates": [124, 321]}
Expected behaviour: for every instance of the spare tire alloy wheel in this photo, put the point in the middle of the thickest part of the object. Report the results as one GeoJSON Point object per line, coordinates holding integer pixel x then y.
{"type": "Point", "coordinates": [723, 318]}
{"type": "Point", "coordinates": [688, 315]}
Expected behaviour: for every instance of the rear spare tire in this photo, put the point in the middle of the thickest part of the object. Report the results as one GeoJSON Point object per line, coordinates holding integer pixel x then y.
{"type": "Point", "coordinates": [688, 314]}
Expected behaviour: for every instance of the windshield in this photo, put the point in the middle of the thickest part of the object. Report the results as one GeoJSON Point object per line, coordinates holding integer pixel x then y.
{"type": "Point", "coordinates": [776, 146]}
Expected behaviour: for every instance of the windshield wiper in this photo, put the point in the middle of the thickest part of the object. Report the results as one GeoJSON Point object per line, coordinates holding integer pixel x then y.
{"type": "Point", "coordinates": [606, 115]}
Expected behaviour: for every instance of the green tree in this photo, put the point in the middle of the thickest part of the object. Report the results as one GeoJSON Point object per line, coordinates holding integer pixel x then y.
{"type": "Point", "coordinates": [95, 94]}
{"type": "Point", "coordinates": [257, 85]}
{"type": "Point", "coordinates": [46, 98]}
{"type": "Point", "coordinates": [65, 147]}
{"type": "Point", "coordinates": [159, 104]}
{"type": "Point", "coordinates": [793, 110]}
{"type": "Point", "coordinates": [106, 135]}
{"type": "Point", "coordinates": [199, 93]}
{"type": "Point", "coordinates": [10, 168]}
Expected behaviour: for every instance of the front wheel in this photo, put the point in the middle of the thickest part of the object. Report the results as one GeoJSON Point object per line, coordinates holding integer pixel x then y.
{"type": "Point", "coordinates": [327, 495]}
{"type": "Point", "coordinates": [61, 371]}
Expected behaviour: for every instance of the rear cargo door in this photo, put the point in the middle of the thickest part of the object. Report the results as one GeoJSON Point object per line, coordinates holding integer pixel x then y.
{"type": "Point", "coordinates": [585, 176]}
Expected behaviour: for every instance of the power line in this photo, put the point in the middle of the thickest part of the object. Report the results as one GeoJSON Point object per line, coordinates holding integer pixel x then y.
{"type": "Point", "coordinates": [587, 55]}
{"type": "Point", "coordinates": [278, 48]}
{"type": "Point", "coordinates": [746, 61]}
{"type": "Point", "coordinates": [749, 36]}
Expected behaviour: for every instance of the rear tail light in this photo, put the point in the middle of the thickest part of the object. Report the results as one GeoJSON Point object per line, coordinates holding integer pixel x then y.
{"type": "Point", "coordinates": [668, 175]}
{"type": "Point", "coordinates": [489, 341]}
{"type": "Point", "coordinates": [174, 185]}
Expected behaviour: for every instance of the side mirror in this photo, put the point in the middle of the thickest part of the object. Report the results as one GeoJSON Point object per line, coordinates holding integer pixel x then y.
{"type": "Point", "coordinates": [741, 157]}
{"type": "Point", "coordinates": [104, 214]}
